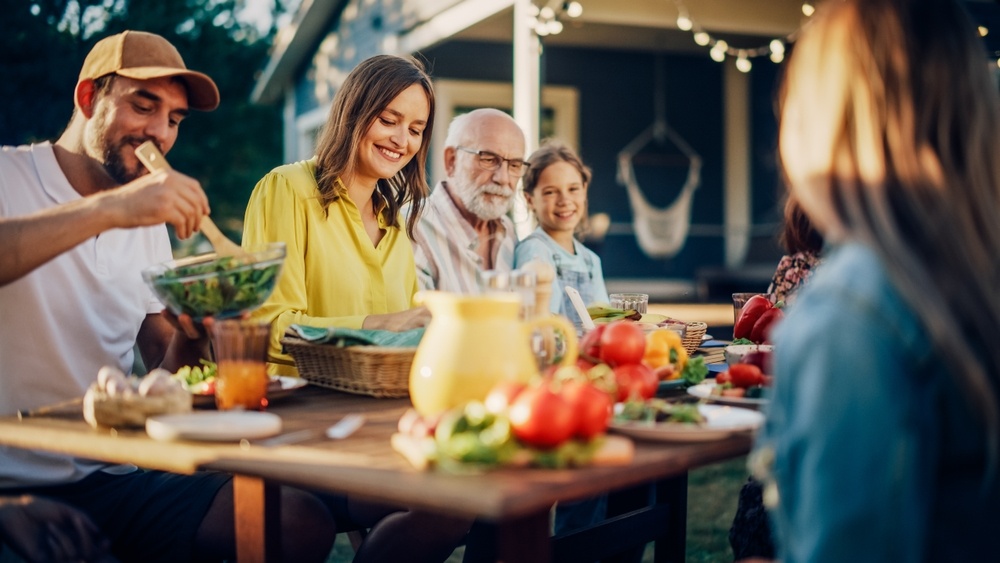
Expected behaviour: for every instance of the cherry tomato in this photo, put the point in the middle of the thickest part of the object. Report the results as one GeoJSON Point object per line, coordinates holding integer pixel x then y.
{"type": "Point", "coordinates": [622, 342]}
{"type": "Point", "coordinates": [591, 406]}
{"type": "Point", "coordinates": [540, 417]}
{"type": "Point", "coordinates": [745, 375]}
{"type": "Point", "coordinates": [723, 378]}
{"type": "Point", "coordinates": [635, 380]}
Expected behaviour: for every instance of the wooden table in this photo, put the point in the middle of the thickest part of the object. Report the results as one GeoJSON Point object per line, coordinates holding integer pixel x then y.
{"type": "Point", "coordinates": [512, 504]}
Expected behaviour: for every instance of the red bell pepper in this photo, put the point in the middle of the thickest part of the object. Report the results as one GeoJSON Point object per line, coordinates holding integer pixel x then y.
{"type": "Point", "coordinates": [761, 333]}
{"type": "Point", "coordinates": [752, 310]}
{"type": "Point", "coordinates": [756, 319]}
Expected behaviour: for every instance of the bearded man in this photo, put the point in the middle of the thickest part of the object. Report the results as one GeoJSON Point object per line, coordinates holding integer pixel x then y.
{"type": "Point", "coordinates": [464, 228]}
{"type": "Point", "coordinates": [79, 220]}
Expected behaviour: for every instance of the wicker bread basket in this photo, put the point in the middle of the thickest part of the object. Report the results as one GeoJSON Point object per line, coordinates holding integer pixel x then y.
{"type": "Point", "coordinates": [692, 336]}
{"type": "Point", "coordinates": [378, 371]}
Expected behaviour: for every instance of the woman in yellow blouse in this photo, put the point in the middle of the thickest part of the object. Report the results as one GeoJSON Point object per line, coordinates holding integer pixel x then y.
{"type": "Point", "coordinates": [350, 263]}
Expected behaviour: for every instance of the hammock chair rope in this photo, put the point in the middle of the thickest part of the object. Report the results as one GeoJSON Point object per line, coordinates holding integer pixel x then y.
{"type": "Point", "coordinates": [661, 233]}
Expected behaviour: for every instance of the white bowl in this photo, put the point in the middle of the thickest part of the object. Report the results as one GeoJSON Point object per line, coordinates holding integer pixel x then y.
{"type": "Point", "coordinates": [735, 353]}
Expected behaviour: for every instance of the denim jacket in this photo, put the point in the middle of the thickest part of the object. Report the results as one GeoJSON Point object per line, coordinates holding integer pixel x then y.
{"type": "Point", "coordinates": [874, 452]}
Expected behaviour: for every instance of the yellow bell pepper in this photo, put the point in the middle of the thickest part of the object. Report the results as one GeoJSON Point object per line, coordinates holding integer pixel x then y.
{"type": "Point", "coordinates": [665, 354]}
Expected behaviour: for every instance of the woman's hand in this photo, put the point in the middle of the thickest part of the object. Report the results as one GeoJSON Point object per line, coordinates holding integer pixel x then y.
{"type": "Point", "coordinates": [398, 322]}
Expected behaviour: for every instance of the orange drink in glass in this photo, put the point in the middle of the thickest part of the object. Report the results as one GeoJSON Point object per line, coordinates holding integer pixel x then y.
{"type": "Point", "coordinates": [241, 352]}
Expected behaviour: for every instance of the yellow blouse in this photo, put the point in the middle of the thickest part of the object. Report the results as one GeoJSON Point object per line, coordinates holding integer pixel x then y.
{"type": "Point", "coordinates": [333, 275]}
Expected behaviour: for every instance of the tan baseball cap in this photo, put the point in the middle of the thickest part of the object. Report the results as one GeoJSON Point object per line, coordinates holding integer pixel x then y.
{"type": "Point", "coordinates": [142, 56]}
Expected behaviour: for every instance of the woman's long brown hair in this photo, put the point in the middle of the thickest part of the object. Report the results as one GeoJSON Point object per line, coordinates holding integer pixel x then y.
{"type": "Point", "coordinates": [366, 92]}
{"type": "Point", "coordinates": [895, 127]}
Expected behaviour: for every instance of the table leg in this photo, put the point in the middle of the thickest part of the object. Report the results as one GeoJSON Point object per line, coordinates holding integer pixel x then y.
{"type": "Point", "coordinates": [671, 546]}
{"type": "Point", "coordinates": [257, 513]}
{"type": "Point", "coordinates": [524, 540]}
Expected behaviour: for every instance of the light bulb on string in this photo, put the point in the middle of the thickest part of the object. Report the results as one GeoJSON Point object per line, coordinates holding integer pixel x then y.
{"type": "Point", "coordinates": [684, 22]}
{"type": "Point", "coordinates": [808, 9]}
{"type": "Point", "coordinates": [717, 53]}
{"type": "Point", "coordinates": [573, 9]}
{"type": "Point", "coordinates": [702, 38]}
{"type": "Point", "coordinates": [555, 27]}
{"type": "Point", "coordinates": [743, 64]}
{"type": "Point", "coordinates": [983, 31]}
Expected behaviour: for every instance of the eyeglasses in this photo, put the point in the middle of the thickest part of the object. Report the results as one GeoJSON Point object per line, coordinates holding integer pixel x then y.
{"type": "Point", "coordinates": [492, 161]}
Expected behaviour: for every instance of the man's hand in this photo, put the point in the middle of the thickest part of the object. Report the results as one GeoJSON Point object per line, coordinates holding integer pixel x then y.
{"type": "Point", "coordinates": [398, 322]}
{"type": "Point", "coordinates": [43, 530]}
{"type": "Point", "coordinates": [164, 197]}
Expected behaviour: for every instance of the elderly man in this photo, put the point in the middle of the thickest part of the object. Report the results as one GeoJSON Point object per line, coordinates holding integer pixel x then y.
{"type": "Point", "coordinates": [464, 229]}
{"type": "Point", "coordinates": [80, 219]}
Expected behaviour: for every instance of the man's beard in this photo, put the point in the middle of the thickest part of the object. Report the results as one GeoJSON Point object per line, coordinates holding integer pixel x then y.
{"type": "Point", "coordinates": [475, 201]}
{"type": "Point", "coordinates": [114, 163]}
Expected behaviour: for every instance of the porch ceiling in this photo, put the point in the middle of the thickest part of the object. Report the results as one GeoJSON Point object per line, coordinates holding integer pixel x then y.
{"type": "Point", "coordinates": [651, 25]}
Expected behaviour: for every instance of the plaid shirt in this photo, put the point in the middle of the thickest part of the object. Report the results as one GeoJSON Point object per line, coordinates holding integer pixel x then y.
{"type": "Point", "coordinates": [444, 246]}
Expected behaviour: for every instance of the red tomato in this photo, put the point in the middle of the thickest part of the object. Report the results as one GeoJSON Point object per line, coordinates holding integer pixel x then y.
{"type": "Point", "coordinates": [752, 310]}
{"type": "Point", "coordinates": [761, 332]}
{"type": "Point", "coordinates": [622, 342]}
{"type": "Point", "coordinates": [591, 406]}
{"type": "Point", "coordinates": [539, 417]}
{"type": "Point", "coordinates": [590, 344]}
{"type": "Point", "coordinates": [745, 375]}
{"type": "Point", "coordinates": [635, 380]}
{"type": "Point", "coordinates": [723, 378]}
{"type": "Point", "coordinates": [502, 396]}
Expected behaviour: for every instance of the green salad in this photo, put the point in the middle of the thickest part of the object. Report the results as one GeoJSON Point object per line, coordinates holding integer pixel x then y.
{"type": "Point", "coordinates": [220, 287]}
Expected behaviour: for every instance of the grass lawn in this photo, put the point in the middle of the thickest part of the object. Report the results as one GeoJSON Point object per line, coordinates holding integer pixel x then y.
{"type": "Point", "coordinates": [712, 495]}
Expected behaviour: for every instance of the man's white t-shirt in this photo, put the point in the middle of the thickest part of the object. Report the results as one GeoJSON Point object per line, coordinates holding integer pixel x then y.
{"type": "Point", "coordinates": [66, 319]}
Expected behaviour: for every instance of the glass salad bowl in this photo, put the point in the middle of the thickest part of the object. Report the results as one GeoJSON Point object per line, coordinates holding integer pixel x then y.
{"type": "Point", "coordinates": [209, 285]}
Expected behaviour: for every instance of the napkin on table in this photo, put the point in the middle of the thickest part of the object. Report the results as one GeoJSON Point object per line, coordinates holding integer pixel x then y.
{"type": "Point", "coordinates": [341, 337]}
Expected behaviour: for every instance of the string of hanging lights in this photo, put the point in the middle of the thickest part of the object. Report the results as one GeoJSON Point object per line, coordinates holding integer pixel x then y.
{"type": "Point", "coordinates": [719, 48]}
{"type": "Point", "coordinates": [547, 20]}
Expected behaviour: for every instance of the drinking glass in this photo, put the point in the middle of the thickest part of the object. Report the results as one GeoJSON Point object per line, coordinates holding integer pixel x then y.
{"type": "Point", "coordinates": [625, 301]}
{"type": "Point", "coordinates": [241, 354]}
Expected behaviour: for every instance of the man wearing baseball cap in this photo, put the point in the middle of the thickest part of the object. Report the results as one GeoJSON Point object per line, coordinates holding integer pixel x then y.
{"type": "Point", "coordinates": [79, 220]}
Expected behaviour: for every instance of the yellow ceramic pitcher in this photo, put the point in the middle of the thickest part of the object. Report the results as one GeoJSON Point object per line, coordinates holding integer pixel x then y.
{"type": "Point", "coordinates": [472, 343]}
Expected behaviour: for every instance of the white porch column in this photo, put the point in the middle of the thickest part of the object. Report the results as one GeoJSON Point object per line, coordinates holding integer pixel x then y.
{"type": "Point", "coordinates": [527, 95]}
{"type": "Point", "coordinates": [527, 89]}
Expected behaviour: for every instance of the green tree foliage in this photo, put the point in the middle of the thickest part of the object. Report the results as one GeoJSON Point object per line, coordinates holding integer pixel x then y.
{"type": "Point", "coordinates": [43, 44]}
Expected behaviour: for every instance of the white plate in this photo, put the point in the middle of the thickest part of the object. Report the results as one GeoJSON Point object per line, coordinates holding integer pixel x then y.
{"type": "Point", "coordinates": [213, 426]}
{"type": "Point", "coordinates": [704, 391]}
{"type": "Point", "coordinates": [720, 422]}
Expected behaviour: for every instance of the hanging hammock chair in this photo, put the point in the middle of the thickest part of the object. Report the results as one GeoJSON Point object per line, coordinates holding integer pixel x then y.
{"type": "Point", "coordinates": [661, 233]}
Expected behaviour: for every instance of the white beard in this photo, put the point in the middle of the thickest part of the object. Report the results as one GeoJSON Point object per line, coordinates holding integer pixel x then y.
{"type": "Point", "coordinates": [475, 201]}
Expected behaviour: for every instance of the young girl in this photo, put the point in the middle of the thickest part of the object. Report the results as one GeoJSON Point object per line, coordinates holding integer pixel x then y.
{"type": "Point", "coordinates": [555, 188]}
